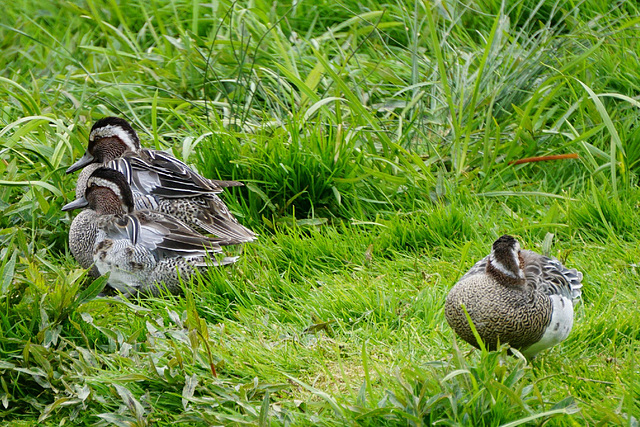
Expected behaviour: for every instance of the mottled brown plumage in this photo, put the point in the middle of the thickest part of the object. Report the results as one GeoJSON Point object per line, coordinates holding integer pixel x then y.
{"type": "Point", "coordinates": [514, 296]}
{"type": "Point", "coordinates": [514, 315]}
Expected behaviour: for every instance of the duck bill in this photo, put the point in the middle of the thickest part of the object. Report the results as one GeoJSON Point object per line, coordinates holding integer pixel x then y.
{"type": "Point", "coordinates": [85, 160]}
{"type": "Point", "coordinates": [76, 204]}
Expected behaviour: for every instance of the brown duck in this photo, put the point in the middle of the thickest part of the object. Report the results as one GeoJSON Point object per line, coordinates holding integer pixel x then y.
{"type": "Point", "coordinates": [517, 297]}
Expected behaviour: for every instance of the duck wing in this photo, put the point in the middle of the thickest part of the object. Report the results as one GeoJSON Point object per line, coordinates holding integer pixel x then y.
{"type": "Point", "coordinates": [158, 233]}
{"type": "Point", "coordinates": [176, 179]}
{"type": "Point", "coordinates": [214, 217]}
{"type": "Point", "coordinates": [155, 175]}
{"type": "Point", "coordinates": [177, 238]}
{"type": "Point", "coordinates": [551, 277]}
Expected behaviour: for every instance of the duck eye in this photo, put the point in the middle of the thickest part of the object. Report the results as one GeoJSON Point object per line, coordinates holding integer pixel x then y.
{"type": "Point", "coordinates": [92, 184]}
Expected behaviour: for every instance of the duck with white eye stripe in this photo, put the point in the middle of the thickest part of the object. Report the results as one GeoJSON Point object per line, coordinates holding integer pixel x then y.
{"type": "Point", "coordinates": [517, 297]}
{"type": "Point", "coordinates": [142, 250]}
{"type": "Point", "coordinates": [159, 181]}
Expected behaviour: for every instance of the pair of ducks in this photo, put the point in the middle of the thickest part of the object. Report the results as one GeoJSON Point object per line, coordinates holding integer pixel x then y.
{"type": "Point", "coordinates": [150, 219]}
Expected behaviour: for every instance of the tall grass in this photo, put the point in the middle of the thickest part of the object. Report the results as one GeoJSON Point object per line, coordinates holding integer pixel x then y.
{"type": "Point", "coordinates": [375, 143]}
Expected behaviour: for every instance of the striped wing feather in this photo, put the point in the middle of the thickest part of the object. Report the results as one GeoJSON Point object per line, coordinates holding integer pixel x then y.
{"type": "Point", "coordinates": [158, 232]}
{"type": "Point", "coordinates": [551, 277]}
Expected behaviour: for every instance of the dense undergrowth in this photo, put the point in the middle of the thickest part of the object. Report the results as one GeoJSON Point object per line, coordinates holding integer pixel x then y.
{"type": "Point", "coordinates": [376, 142]}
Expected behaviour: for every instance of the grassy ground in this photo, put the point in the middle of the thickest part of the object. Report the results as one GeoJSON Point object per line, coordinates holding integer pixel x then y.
{"type": "Point", "coordinates": [375, 142]}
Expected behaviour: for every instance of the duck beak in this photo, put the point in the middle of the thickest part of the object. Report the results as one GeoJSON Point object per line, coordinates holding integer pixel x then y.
{"type": "Point", "coordinates": [76, 204]}
{"type": "Point", "coordinates": [85, 160]}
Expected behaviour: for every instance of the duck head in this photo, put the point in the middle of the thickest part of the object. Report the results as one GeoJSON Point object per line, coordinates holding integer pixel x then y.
{"type": "Point", "coordinates": [110, 137]}
{"type": "Point", "coordinates": [107, 192]}
{"type": "Point", "coordinates": [505, 261]}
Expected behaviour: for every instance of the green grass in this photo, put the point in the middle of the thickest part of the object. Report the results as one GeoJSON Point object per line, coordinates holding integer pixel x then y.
{"type": "Point", "coordinates": [374, 140]}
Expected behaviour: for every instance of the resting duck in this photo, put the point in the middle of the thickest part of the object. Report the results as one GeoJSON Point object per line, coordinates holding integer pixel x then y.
{"type": "Point", "coordinates": [517, 297]}
{"type": "Point", "coordinates": [140, 249]}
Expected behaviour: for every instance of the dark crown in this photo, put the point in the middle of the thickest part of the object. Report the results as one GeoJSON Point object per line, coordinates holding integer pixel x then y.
{"type": "Point", "coordinates": [119, 122]}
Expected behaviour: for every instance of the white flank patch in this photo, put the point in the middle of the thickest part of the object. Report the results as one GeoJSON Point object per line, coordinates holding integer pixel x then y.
{"type": "Point", "coordinates": [559, 327]}
{"type": "Point", "coordinates": [111, 131]}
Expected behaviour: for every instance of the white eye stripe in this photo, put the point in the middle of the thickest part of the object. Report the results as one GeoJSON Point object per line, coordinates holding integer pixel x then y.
{"type": "Point", "coordinates": [110, 131]}
{"type": "Point", "coordinates": [105, 183]}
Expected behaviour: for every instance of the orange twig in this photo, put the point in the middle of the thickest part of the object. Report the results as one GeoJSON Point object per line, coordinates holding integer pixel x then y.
{"type": "Point", "coordinates": [544, 158]}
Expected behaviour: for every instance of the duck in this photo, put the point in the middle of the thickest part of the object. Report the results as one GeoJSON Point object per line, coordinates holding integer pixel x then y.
{"type": "Point", "coordinates": [515, 296]}
{"type": "Point", "coordinates": [142, 250]}
{"type": "Point", "coordinates": [159, 181]}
